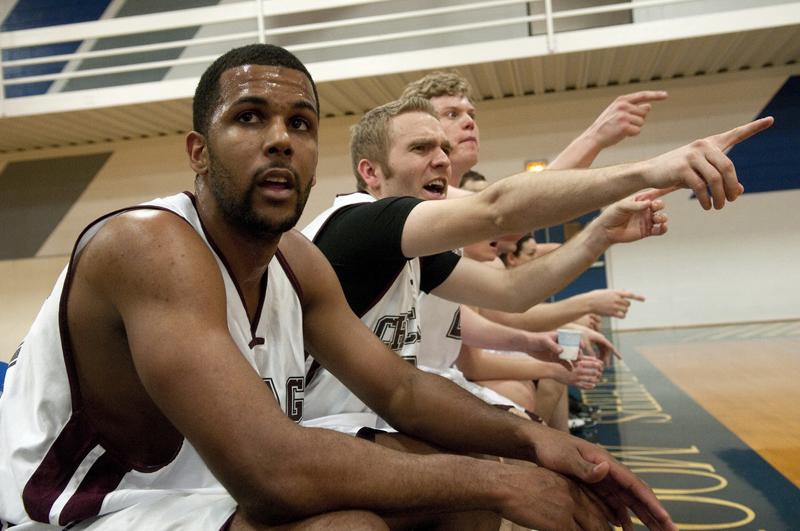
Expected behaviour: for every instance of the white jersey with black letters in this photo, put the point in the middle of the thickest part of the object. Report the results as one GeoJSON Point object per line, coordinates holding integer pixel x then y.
{"type": "Point", "coordinates": [441, 321]}
{"type": "Point", "coordinates": [393, 318]}
{"type": "Point", "coordinates": [53, 466]}
{"type": "Point", "coordinates": [441, 344]}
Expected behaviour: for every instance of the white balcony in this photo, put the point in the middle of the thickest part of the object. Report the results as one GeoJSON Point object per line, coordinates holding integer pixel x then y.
{"type": "Point", "coordinates": [133, 77]}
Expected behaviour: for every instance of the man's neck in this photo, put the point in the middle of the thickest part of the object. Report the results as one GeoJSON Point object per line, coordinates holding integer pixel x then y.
{"type": "Point", "coordinates": [455, 176]}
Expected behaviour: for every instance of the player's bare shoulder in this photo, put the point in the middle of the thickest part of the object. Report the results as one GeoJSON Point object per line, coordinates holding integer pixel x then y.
{"type": "Point", "coordinates": [150, 248]}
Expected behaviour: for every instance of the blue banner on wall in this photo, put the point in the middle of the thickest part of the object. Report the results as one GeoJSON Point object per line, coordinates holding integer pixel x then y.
{"type": "Point", "coordinates": [28, 14]}
{"type": "Point", "coordinates": [770, 161]}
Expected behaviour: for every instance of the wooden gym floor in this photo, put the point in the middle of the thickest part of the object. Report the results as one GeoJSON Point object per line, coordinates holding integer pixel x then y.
{"type": "Point", "coordinates": [709, 418]}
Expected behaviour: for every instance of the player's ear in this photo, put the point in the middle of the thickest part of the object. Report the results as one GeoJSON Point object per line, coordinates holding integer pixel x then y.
{"type": "Point", "coordinates": [371, 173]}
{"type": "Point", "coordinates": [198, 154]}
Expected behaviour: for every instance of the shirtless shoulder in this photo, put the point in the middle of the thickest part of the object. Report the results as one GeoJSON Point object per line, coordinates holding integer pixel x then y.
{"type": "Point", "coordinates": [136, 258]}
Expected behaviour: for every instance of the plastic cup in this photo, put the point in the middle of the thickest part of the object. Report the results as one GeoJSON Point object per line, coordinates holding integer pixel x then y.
{"type": "Point", "coordinates": [570, 341]}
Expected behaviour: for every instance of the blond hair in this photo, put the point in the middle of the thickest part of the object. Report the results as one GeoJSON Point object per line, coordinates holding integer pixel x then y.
{"type": "Point", "coordinates": [369, 138]}
{"type": "Point", "coordinates": [439, 84]}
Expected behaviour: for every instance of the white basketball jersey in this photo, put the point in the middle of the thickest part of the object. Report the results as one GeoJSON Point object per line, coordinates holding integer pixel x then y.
{"type": "Point", "coordinates": [441, 321]}
{"type": "Point", "coordinates": [393, 318]}
{"type": "Point", "coordinates": [54, 468]}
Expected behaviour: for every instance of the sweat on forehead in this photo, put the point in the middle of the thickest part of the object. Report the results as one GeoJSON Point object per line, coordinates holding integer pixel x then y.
{"type": "Point", "coordinates": [207, 94]}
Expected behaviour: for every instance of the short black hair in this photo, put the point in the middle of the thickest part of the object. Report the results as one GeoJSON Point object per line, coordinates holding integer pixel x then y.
{"type": "Point", "coordinates": [521, 243]}
{"type": "Point", "coordinates": [518, 249]}
{"type": "Point", "coordinates": [206, 96]}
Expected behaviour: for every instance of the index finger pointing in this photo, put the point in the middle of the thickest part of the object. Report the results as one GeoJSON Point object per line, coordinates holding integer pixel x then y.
{"type": "Point", "coordinates": [646, 95]}
{"type": "Point", "coordinates": [654, 193]}
{"type": "Point", "coordinates": [632, 296]}
{"type": "Point", "coordinates": [738, 134]}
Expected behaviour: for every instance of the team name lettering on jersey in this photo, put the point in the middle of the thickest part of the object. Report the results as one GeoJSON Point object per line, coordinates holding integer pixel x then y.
{"type": "Point", "coordinates": [398, 330]}
{"type": "Point", "coordinates": [455, 327]}
{"type": "Point", "coordinates": [295, 394]}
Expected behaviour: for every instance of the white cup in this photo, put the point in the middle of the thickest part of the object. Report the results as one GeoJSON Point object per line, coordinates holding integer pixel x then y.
{"type": "Point", "coordinates": [570, 341]}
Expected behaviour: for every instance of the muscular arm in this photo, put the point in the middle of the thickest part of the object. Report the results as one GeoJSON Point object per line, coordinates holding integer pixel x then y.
{"type": "Point", "coordinates": [543, 316]}
{"type": "Point", "coordinates": [523, 202]}
{"type": "Point", "coordinates": [174, 316]}
{"type": "Point", "coordinates": [624, 117]}
{"type": "Point", "coordinates": [517, 289]}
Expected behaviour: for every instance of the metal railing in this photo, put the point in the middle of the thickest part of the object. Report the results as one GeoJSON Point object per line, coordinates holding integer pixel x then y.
{"type": "Point", "coordinates": [316, 30]}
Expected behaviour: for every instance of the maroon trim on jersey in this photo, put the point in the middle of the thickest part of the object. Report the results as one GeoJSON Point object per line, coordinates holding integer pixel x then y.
{"type": "Point", "coordinates": [262, 296]}
{"type": "Point", "coordinates": [380, 295]}
{"type": "Point", "coordinates": [52, 475]}
{"type": "Point", "coordinates": [256, 316]}
{"type": "Point", "coordinates": [290, 274]}
{"type": "Point", "coordinates": [229, 522]}
{"type": "Point", "coordinates": [60, 464]}
{"type": "Point", "coordinates": [103, 477]}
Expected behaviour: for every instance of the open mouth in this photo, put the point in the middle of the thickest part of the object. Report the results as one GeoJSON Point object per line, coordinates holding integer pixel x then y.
{"type": "Point", "coordinates": [436, 187]}
{"type": "Point", "coordinates": [277, 179]}
{"type": "Point", "coordinates": [276, 182]}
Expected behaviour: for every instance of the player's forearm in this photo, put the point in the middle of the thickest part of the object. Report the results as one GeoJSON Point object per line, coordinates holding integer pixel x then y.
{"type": "Point", "coordinates": [545, 316]}
{"type": "Point", "coordinates": [480, 428]}
{"type": "Point", "coordinates": [526, 202]}
{"type": "Point", "coordinates": [580, 153]}
{"type": "Point", "coordinates": [477, 365]}
{"type": "Point", "coordinates": [533, 282]}
{"type": "Point", "coordinates": [323, 471]}
{"type": "Point", "coordinates": [480, 332]}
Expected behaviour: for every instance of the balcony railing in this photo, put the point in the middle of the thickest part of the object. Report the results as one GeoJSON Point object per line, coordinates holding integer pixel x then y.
{"type": "Point", "coordinates": [173, 48]}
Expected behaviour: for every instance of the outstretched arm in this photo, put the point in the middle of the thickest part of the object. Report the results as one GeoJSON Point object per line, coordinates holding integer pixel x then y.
{"type": "Point", "coordinates": [552, 315]}
{"type": "Point", "coordinates": [624, 117]}
{"type": "Point", "coordinates": [521, 203]}
{"type": "Point", "coordinates": [517, 289]}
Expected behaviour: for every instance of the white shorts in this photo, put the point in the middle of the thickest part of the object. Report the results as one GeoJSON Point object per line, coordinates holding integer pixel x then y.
{"type": "Point", "coordinates": [484, 393]}
{"type": "Point", "coordinates": [176, 511]}
{"type": "Point", "coordinates": [349, 423]}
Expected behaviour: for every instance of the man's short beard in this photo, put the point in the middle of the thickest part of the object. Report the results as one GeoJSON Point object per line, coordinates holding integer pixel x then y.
{"type": "Point", "coordinates": [239, 211]}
